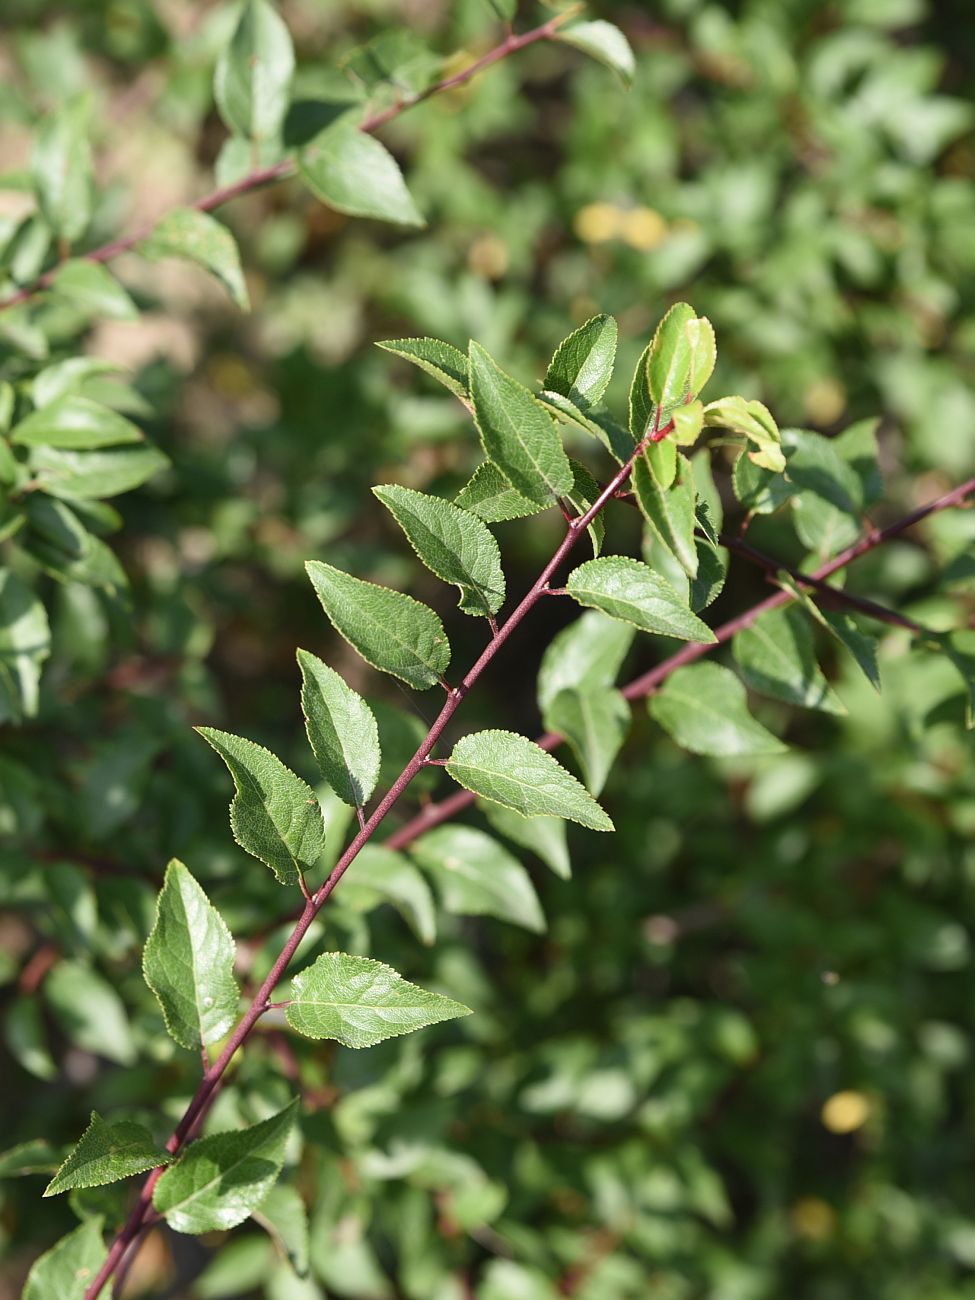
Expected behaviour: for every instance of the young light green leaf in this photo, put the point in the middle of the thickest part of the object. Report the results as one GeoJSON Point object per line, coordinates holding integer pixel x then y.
{"type": "Point", "coordinates": [274, 815]}
{"type": "Point", "coordinates": [704, 353]}
{"type": "Point", "coordinates": [776, 657]}
{"type": "Point", "coordinates": [107, 1153]}
{"type": "Point", "coordinates": [490, 496]}
{"type": "Point", "coordinates": [759, 490]}
{"type": "Point", "coordinates": [513, 771]}
{"type": "Point", "coordinates": [66, 1271]}
{"type": "Point", "coordinates": [446, 363]}
{"type": "Point", "coordinates": [93, 289]}
{"type": "Point", "coordinates": [670, 511]}
{"type": "Point", "coordinates": [383, 876]}
{"type": "Point", "coordinates": [341, 731]}
{"type": "Point", "coordinates": [62, 169]}
{"type": "Point", "coordinates": [587, 653]}
{"type": "Point", "coordinates": [90, 1011]}
{"type": "Point", "coordinates": [583, 363]}
{"type": "Point", "coordinates": [669, 361]}
{"type": "Point", "coordinates": [90, 475]}
{"type": "Point", "coordinates": [75, 424]}
{"type": "Point", "coordinates": [390, 630]}
{"type": "Point", "coordinates": [25, 642]}
{"type": "Point", "coordinates": [517, 433]}
{"type": "Point", "coordinates": [626, 589]}
{"type": "Point", "coordinates": [604, 42]}
{"type": "Point", "coordinates": [198, 237]}
{"type": "Point", "coordinates": [688, 422]}
{"type": "Point", "coordinates": [594, 721]}
{"type": "Point", "coordinates": [188, 962]}
{"type": "Point", "coordinates": [219, 1181]}
{"type": "Point", "coordinates": [360, 1002]}
{"type": "Point", "coordinates": [545, 836]}
{"type": "Point", "coordinates": [253, 74]}
{"type": "Point", "coordinates": [703, 707]}
{"type": "Point", "coordinates": [477, 876]}
{"type": "Point", "coordinates": [453, 543]}
{"type": "Point", "coordinates": [753, 421]}
{"type": "Point", "coordinates": [353, 173]}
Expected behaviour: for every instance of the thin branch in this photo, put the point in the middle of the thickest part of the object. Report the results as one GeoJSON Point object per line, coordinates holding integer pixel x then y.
{"type": "Point", "coordinates": [434, 814]}
{"type": "Point", "coordinates": [279, 171]}
{"type": "Point", "coordinates": [211, 1080]}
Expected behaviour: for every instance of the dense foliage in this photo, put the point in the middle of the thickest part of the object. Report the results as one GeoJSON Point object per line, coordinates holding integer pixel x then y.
{"type": "Point", "coordinates": [718, 1053]}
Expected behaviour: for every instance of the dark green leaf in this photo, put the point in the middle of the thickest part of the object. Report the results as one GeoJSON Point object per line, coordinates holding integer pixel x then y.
{"type": "Point", "coordinates": [341, 731]}
{"type": "Point", "coordinates": [703, 708]}
{"type": "Point", "coordinates": [776, 657]}
{"type": "Point", "coordinates": [477, 876]}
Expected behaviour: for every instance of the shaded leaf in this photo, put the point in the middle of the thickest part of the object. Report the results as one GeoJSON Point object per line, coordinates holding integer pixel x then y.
{"type": "Point", "coordinates": [25, 642]}
{"type": "Point", "coordinates": [583, 363]}
{"type": "Point", "coordinates": [703, 707]}
{"type": "Point", "coordinates": [587, 653]}
{"type": "Point", "coordinates": [282, 1213]}
{"type": "Point", "coordinates": [360, 1002]}
{"type": "Point", "coordinates": [544, 836]}
{"type": "Point", "coordinates": [444, 362]}
{"type": "Point", "coordinates": [75, 423]}
{"type": "Point", "coordinates": [381, 875]}
{"type": "Point", "coordinates": [67, 1270]}
{"type": "Point", "coordinates": [93, 289]}
{"type": "Point", "coordinates": [776, 657]}
{"type": "Point", "coordinates": [88, 475]}
{"type": "Point", "coordinates": [490, 496]}
{"type": "Point", "coordinates": [90, 1011]}
{"type": "Point", "coordinates": [62, 169]}
{"type": "Point", "coordinates": [477, 876]}
{"type": "Point", "coordinates": [670, 511]}
{"type": "Point", "coordinates": [594, 721]}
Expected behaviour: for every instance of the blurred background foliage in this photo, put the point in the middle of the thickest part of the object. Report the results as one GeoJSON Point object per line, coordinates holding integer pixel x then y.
{"type": "Point", "coordinates": [734, 1066]}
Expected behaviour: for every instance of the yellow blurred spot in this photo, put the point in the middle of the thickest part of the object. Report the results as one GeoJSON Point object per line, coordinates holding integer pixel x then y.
{"type": "Point", "coordinates": [824, 400]}
{"type": "Point", "coordinates": [813, 1218]}
{"type": "Point", "coordinates": [845, 1112]}
{"type": "Point", "coordinates": [597, 223]}
{"type": "Point", "coordinates": [488, 257]}
{"type": "Point", "coordinates": [644, 229]}
{"type": "Point", "coordinates": [231, 376]}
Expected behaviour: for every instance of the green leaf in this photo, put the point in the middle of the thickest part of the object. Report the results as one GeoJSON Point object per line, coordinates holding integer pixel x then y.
{"type": "Point", "coordinates": [587, 653]}
{"type": "Point", "coordinates": [669, 361]}
{"type": "Point", "coordinates": [703, 708]}
{"type": "Point", "coordinates": [753, 421]}
{"type": "Point", "coordinates": [87, 475]}
{"type": "Point", "coordinates": [283, 1215]}
{"type": "Point", "coordinates": [107, 1153]}
{"type": "Point", "coordinates": [688, 423]}
{"type": "Point", "coordinates": [631, 591]}
{"type": "Point", "coordinates": [491, 497]}
{"type": "Point", "coordinates": [604, 42]}
{"type": "Point", "coordinates": [544, 836]}
{"type": "Point", "coordinates": [453, 543]}
{"type": "Point", "coordinates": [594, 721]}
{"type": "Point", "coordinates": [583, 494]}
{"type": "Point", "coordinates": [776, 657]}
{"type": "Point", "coordinates": [25, 642]}
{"type": "Point", "coordinates": [381, 875]}
{"type": "Point", "coordinates": [477, 876]}
{"type": "Point", "coordinates": [840, 625]}
{"type": "Point", "coordinates": [583, 363]}
{"type": "Point", "coordinates": [90, 1011]}
{"type": "Point", "coordinates": [759, 490]}
{"type": "Point", "coordinates": [390, 630]}
{"type": "Point", "coordinates": [446, 363]}
{"type": "Point", "coordinates": [197, 237]}
{"type": "Point", "coordinates": [94, 290]}
{"type": "Point", "coordinates": [219, 1181]}
{"type": "Point", "coordinates": [274, 815]}
{"type": "Point", "coordinates": [959, 647]}
{"type": "Point", "coordinates": [341, 731]}
{"type": "Point", "coordinates": [513, 771]}
{"type": "Point", "coordinates": [360, 1002]}
{"type": "Point", "coordinates": [829, 494]}
{"type": "Point", "coordinates": [188, 962]}
{"type": "Point", "coordinates": [597, 421]}
{"type": "Point", "coordinates": [66, 1271]}
{"type": "Point", "coordinates": [75, 424]}
{"type": "Point", "coordinates": [253, 74]}
{"type": "Point", "coordinates": [62, 169]}
{"type": "Point", "coordinates": [670, 511]}
{"type": "Point", "coordinates": [34, 1157]}
{"type": "Point", "coordinates": [517, 433]}
{"type": "Point", "coordinates": [355, 174]}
